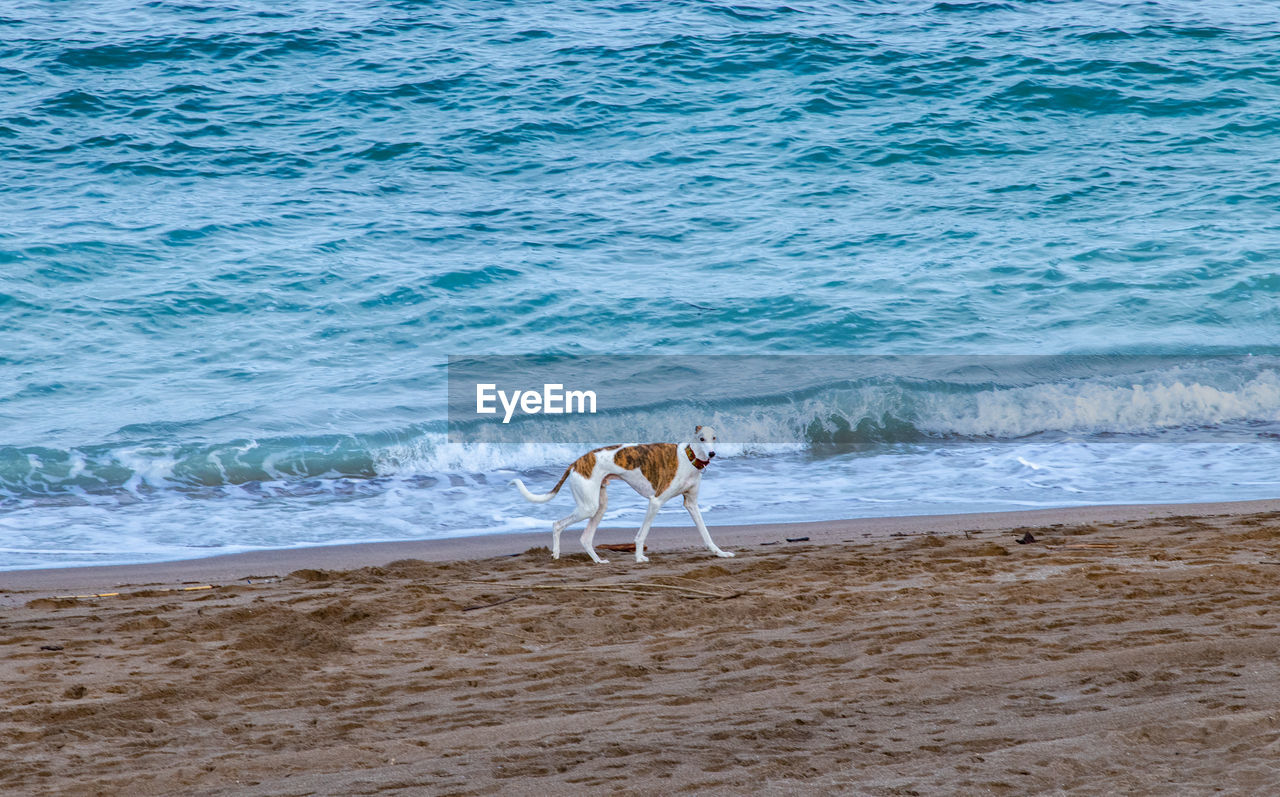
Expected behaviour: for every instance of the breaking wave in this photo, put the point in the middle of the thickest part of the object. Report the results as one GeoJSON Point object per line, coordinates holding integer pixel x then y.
{"type": "Point", "coordinates": [1239, 401]}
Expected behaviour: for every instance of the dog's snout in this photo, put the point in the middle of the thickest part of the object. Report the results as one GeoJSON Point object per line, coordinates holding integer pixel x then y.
{"type": "Point", "coordinates": [711, 455]}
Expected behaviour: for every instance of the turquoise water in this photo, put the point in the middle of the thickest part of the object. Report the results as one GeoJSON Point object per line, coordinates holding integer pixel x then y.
{"type": "Point", "coordinates": [237, 245]}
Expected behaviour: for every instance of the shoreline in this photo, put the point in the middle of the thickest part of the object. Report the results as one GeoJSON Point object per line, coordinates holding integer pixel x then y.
{"type": "Point", "coordinates": [274, 563]}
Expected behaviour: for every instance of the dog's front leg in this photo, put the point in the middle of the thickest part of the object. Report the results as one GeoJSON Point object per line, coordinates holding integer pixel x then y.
{"type": "Point", "coordinates": [691, 504]}
{"type": "Point", "coordinates": [654, 506]}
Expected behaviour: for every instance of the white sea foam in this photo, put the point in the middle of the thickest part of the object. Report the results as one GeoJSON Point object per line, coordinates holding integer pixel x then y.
{"type": "Point", "coordinates": [925, 448]}
{"type": "Point", "coordinates": [1102, 408]}
{"type": "Point", "coordinates": [902, 480]}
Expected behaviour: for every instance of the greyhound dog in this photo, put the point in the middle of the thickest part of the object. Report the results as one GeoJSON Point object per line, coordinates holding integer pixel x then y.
{"type": "Point", "coordinates": [658, 471]}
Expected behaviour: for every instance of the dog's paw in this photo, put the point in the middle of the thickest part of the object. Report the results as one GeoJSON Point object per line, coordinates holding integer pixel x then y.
{"type": "Point", "coordinates": [725, 554]}
{"type": "Point", "coordinates": [641, 558]}
{"type": "Point", "coordinates": [602, 561]}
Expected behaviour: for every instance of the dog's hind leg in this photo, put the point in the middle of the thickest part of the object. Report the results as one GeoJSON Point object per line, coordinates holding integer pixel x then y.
{"type": "Point", "coordinates": [589, 533]}
{"type": "Point", "coordinates": [589, 497]}
{"type": "Point", "coordinates": [585, 500]}
{"type": "Point", "coordinates": [654, 506]}
{"type": "Point", "coordinates": [579, 513]}
{"type": "Point", "coordinates": [691, 504]}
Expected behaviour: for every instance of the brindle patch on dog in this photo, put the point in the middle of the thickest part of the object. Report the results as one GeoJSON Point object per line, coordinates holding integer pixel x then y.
{"type": "Point", "coordinates": [586, 463]}
{"type": "Point", "coordinates": [657, 461]}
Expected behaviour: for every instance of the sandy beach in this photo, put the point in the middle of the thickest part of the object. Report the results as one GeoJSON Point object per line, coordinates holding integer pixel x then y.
{"type": "Point", "coordinates": [1125, 650]}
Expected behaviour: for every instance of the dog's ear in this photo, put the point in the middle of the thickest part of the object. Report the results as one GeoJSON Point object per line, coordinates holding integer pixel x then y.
{"type": "Point", "coordinates": [697, 429]}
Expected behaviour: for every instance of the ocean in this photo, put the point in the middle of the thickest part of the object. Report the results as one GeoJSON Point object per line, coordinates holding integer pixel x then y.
{"type": "Point", "coordinates": [239, 243]}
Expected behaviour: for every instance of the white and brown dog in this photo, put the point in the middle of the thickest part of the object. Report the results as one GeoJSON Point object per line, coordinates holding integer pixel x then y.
{"type": "Point", "coordinates": [658, 471]}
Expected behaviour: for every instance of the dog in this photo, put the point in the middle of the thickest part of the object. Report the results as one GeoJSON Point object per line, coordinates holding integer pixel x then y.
{"type": "Point", "coordinates": [658, 471]}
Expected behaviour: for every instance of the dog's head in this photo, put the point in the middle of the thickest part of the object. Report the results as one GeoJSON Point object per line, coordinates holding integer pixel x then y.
{"type": "Point", "coordinates": [704, 442]}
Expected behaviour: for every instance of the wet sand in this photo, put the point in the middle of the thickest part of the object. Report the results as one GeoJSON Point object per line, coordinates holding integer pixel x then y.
{"type": "Point", "coordinates": [1127, 650]}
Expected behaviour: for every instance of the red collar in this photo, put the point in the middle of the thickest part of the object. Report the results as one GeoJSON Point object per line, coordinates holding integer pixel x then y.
{"type": "Point", "coordinates": [697, 463]}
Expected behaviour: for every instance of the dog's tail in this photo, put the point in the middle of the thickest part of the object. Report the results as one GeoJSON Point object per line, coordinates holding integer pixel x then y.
{"type": "Point", "coordinates": [545, 497]}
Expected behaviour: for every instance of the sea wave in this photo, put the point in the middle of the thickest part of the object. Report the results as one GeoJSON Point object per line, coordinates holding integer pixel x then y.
{"type": "Point", "coordinates": [1178, 405]}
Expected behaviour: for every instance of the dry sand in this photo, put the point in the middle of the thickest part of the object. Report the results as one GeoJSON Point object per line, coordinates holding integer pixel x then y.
{"type": "Point", "coordinates": [1128, 650]}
